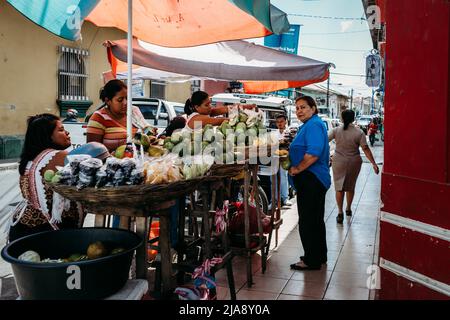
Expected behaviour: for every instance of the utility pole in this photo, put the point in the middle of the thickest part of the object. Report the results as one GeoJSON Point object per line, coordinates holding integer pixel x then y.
{"type": "Point", "coordinates": [362, 104]}
{"type": "Point", "coordinates": [351, 100]}
{"type": "Point", "coordinates": [372, 106]}
{"type": "Point", "coordinates": [328, 93]}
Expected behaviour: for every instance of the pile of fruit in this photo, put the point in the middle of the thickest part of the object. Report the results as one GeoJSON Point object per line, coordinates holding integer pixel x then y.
{"type": "Point", "coordinates": [244, 128]}
{"type": "Point", "coordinates": [94, 251]}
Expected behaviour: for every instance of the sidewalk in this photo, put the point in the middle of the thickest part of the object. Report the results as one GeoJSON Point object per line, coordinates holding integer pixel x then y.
{"type": "Point", "coordinates": [352, 248]}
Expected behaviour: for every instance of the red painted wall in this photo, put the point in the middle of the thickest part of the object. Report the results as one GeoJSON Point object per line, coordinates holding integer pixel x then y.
{"type": "Point", "coordinates": [416, 173]}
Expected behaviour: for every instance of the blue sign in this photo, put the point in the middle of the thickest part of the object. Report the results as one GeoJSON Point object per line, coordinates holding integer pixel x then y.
{"type": "Point", "coordinates": [286, 42]}
{"type": "Point", "coordinates": [273, 41]}
{"type": "Point", "coordinates": [289, 40]}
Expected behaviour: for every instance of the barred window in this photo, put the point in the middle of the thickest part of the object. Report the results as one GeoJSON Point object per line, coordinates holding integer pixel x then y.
{"type": "Point", "coordinates": [157, 89]}
{"type": "Point", "coordinates": [72, 75]}
{"type": "Point", "coordinates": [195, 85]}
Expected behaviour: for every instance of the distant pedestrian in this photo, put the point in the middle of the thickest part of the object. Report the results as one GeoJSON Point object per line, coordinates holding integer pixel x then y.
{"type": "Point", "coordinates": [279, 135]}
{"type": "Point", "coordinates": [309, 154]}
{"type": "Point", "coordinates": [347, 161]}
{"type": "Point", "coordinates": [372, 131]}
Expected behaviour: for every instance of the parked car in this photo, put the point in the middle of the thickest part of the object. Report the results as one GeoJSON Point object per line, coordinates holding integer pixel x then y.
{"type": "Point", "coordinates": [157, 112]}
{"type": "Point", "coordinates": [336, 122]}
{"type": "Point", "coordinates": [363, 122]}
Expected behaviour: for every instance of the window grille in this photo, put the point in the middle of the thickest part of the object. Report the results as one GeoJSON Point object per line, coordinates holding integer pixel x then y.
{"type": "Point", "coordinates": [195, 85]}
{"type": "Point", "coordinates": [72, 74]}
{"type": "Point", "coordinates": [158, 89]}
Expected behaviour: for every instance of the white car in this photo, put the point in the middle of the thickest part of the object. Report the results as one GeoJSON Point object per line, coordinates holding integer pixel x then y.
{"type": "Point", "coordinates": [363, 122]}
{"type": "Point", "coordinates": [156, 112]}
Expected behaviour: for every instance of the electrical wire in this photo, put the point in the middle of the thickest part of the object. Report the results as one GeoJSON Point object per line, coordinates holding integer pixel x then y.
{"type": "Point", "coordinates": [332, 33]}
{"type": "Point", "coordinates": [325, 17]}
{"type": "Point", "coordinates": [332, 49]}
{"type": "Point", "coordinates": [347, 74]}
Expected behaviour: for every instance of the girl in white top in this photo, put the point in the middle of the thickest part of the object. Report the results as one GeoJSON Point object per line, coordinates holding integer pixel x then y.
{"type": "Point", "coordinates": [199, 111]}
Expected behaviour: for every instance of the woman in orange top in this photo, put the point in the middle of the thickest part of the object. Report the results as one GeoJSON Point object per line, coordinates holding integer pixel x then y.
{"type": "Point", "coordinates": [109, 124]}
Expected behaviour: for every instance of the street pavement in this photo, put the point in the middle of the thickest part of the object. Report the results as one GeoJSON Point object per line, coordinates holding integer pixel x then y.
{"type": "Point", "coordinates": [352, 249]}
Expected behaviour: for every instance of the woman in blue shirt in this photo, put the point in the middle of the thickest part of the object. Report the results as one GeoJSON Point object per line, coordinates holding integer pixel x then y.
{"type": "Point", "coordinates": [309, 154]}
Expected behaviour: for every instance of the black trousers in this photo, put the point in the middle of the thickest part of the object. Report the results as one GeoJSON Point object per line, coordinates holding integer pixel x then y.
{"type": "Point", "coordinates": [372, 139]}
{"type": "Point", "coordinates": [311, 210]}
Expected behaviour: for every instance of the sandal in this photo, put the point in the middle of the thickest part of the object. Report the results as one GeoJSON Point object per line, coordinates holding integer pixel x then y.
{"type": "Point", "coordinates": [340, 218]}
{"type": "Point", "coordinates": [303, 266]}
{"type": "Point", "coordinates": [348, 212]}
{"type": "Point", "coordinates": [323, 261]}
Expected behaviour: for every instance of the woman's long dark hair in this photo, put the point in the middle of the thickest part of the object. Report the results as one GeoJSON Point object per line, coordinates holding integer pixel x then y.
{"type": "Point", "coordinates": [309, 101]}
{"type": "Point", "coordinates": [348, 116]}
{"type": "Point", "coordinates": [111, 88]}
{"type": "Point", "coordinates": [37, 138]}
{"type": "Point", "coordinates": [198, 97]}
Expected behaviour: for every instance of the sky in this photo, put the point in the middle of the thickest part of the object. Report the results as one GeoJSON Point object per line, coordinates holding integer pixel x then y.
{"type": "Point", "coordinates": [343, 42]}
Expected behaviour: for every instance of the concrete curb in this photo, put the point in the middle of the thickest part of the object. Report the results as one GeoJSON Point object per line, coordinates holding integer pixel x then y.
{"type": "Point", "coordinates": [9, 166]}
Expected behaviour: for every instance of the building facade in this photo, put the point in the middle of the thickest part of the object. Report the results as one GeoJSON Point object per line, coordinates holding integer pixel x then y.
{"type": "Point", "coordinates": [41, 73]}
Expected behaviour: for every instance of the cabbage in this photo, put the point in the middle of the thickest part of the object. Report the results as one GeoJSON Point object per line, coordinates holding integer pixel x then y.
{"type": "Point", "coordinates": [30, 256]}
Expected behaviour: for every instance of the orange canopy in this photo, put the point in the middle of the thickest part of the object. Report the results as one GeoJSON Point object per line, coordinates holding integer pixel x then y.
{"type": "Point", "coordinates": [179, 23]}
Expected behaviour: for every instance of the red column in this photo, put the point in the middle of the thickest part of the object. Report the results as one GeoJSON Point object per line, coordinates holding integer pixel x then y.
{"type": "Point", "coordinates": [414, 246]}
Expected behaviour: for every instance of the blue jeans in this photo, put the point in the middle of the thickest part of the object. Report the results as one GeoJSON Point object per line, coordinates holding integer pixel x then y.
{"type": "Point", "coordinates": [284, 186]}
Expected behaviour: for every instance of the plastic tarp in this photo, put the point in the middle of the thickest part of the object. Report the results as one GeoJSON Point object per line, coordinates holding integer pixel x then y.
{"type": "Point", "coordinates": [257, 65]}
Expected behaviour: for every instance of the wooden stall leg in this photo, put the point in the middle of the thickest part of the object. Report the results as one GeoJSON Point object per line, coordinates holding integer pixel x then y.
{"type": "Point", "coordinates": [230, 277]}
{"type": "Point", "coordinates": [258, 218]}
{"type": "Point", "coordinates": [141, 252]}
{"type": "Point", "coordinates": [247, 177]}
{"type": "Point", "coordinates": [99, 221]}
{"type": "Point", "coordinates": [124, 222]}
{"type": "Point", "coordinates": [166, 258]}
{"type": "Point", "coordinates": [206, 225]}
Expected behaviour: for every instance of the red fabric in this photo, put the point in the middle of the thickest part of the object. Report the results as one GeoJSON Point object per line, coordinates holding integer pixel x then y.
{"type": "Point", "coordinates": [256, 87]}
{"type": "Point", "coordinates": [373, 128]}
{"type": "Point", "coordinates": [237, 223]}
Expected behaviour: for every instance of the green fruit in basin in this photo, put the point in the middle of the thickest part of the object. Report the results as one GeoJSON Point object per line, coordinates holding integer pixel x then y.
{"type": "Point", "coordinates": [96, 250]}
{"type": "Point", "coordinates": [117, 250]}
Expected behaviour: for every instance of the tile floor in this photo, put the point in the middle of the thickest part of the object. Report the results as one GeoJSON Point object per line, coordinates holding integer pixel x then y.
{"type": "Point", "coordinates": [352, 248]}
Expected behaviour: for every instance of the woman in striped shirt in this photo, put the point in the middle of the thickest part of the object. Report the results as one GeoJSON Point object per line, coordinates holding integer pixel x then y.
{"type": "Point", "coordinates": [109, 124]}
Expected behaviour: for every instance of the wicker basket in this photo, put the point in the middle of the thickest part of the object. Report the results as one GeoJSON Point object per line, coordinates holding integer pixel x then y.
{"type": "Point", "coordinates": [246, 151]}
{"type": "Point", "coordinates": [129, 195]}
{"type": "Point", "coordinates": [226, 170]}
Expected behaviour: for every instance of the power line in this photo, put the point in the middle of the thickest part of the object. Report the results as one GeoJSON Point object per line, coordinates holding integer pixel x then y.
{"type": "Point", "coordinates": [332, 49]}
{"type": "Point", "coordinates": [347, 74]}
{"type": "Point", "coordinates": [325, 17]}
{"type": "Point", "coordinates": [326, 33]}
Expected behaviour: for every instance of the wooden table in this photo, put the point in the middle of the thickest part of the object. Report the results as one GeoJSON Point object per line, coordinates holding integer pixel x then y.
{"type": "Point", "coordinates": [142, 214]}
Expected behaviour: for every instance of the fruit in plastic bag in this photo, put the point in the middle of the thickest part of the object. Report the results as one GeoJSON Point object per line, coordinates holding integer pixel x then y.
{"type": "Point", "coordinates": [286, 164]}
{"type": "Point", "coordinates": [119, 153]}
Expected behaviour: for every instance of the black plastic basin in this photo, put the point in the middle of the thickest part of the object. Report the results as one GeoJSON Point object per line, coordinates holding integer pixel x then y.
{"type": "Point", "coordinates": [89, 279]}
